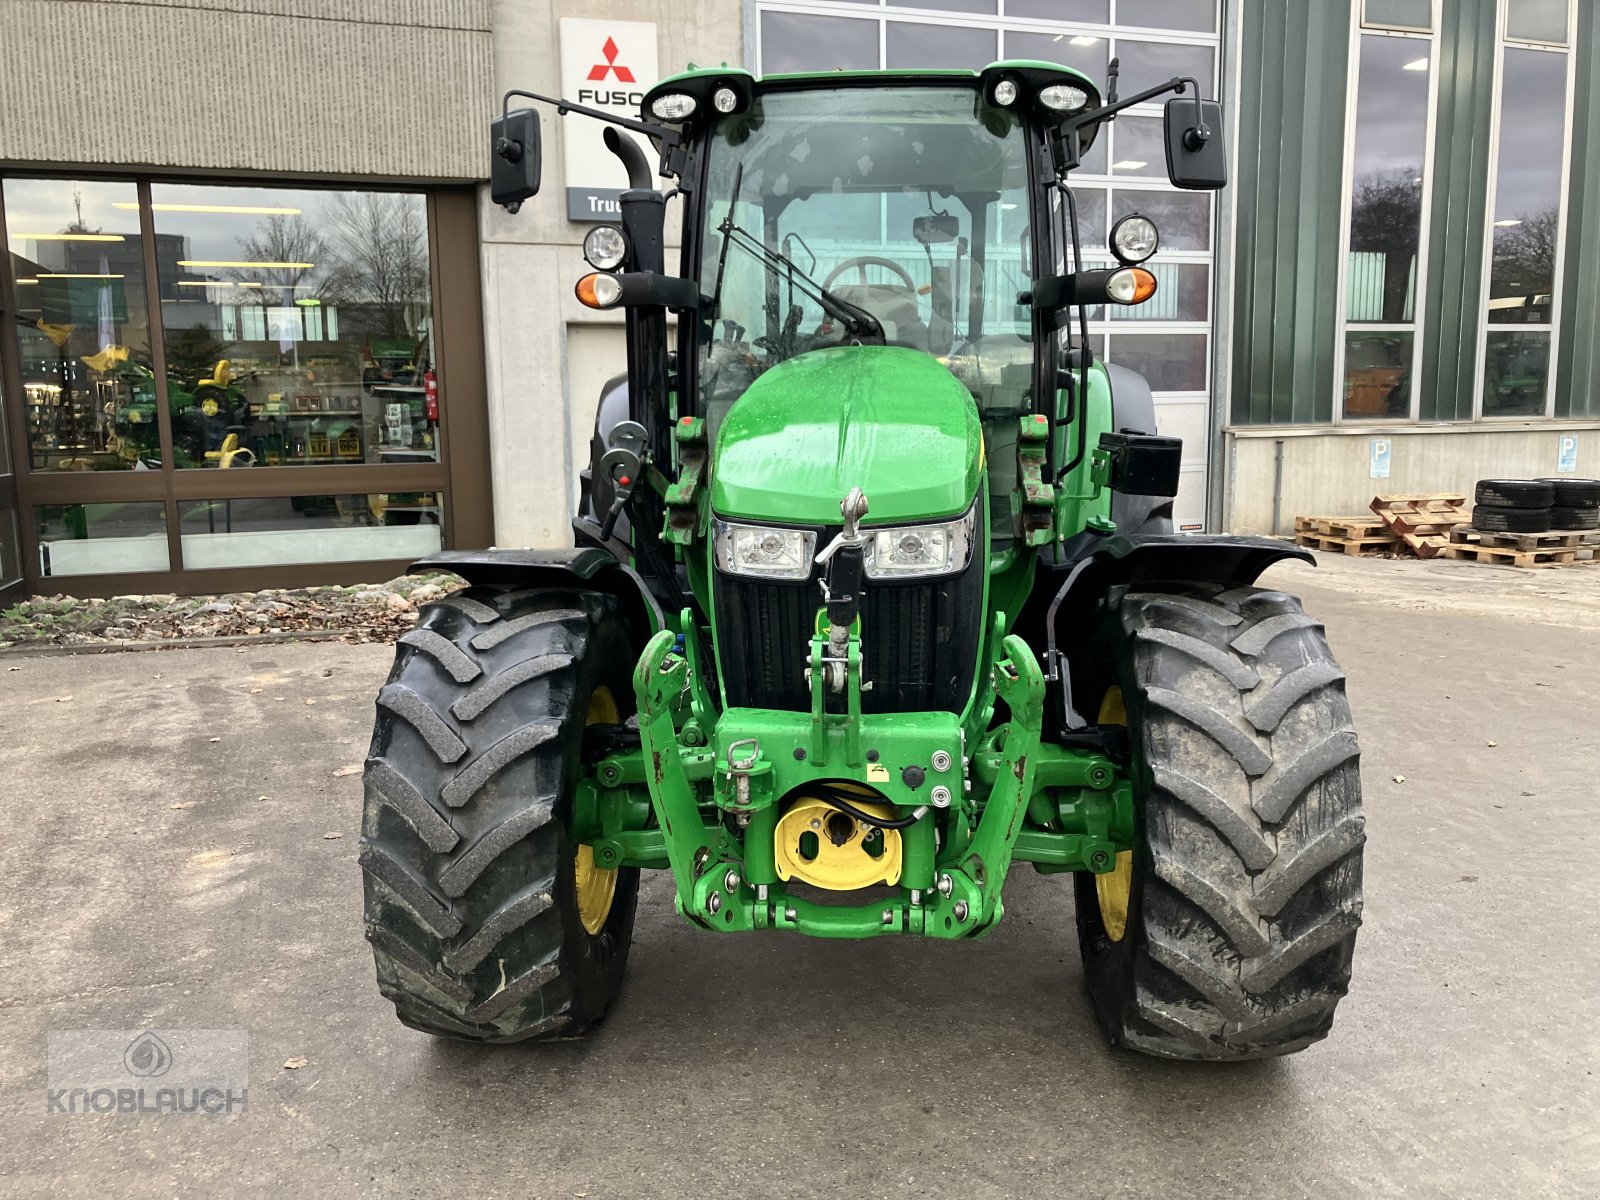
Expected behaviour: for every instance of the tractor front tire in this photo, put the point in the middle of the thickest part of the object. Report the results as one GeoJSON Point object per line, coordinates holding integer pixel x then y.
{"type": "Point", "coordinates": [1228, 932]}
{"type": "Point", "coordinates": [486, 922]}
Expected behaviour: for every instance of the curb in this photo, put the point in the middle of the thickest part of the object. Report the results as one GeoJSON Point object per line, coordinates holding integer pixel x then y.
{"type": "Point", "coordinates": [198, 643]}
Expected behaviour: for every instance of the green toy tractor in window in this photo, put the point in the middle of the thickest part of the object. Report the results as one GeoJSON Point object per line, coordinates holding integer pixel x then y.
{"type": "Point", "coordinates": [875, 597]}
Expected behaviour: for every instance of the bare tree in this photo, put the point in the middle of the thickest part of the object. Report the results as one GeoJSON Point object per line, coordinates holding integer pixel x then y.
{"type": "Point", "coordinates": [378, 260]}
{"type": "Point", "coordinates": [1525, 256]}
{"type": "Point", "coordinates": [1386, 219]}
{"type": "Point", "coordinates": [283, 238]}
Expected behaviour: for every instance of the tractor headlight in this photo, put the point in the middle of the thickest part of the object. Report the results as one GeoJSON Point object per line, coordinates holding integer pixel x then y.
{"type": "Point", "coordinates": [1005, 93]}
{"type": "Point", "coordinates": [765, 551]}
{"type": "Point", "coordinates": [604, 247]}
{"type": "Point", "coordinates": [674, 106]}
{"type": "Point", "coordinates": [1134, 239]}
{"type": "Point", "coordinates": [921, 551]}
{"type": "Point", "coordinates": [1063, 97]}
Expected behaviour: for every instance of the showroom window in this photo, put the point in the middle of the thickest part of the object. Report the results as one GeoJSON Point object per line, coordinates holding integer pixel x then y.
{"type": "Point", "coordinates": [1528, 182]}
{"type": "Point", "coordinates": [1387, 191]}
{"type": "Point", "coordinates": [213, 377]}
{"type": "Point", "coordinates": [1168, 340]}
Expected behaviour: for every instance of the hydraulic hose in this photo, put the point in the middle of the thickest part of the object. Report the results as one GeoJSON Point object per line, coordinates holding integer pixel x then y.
{"type": "Point", "coordinates": [837, 800]}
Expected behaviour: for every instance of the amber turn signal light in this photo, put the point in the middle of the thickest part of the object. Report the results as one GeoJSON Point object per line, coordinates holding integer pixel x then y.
{"type": "Point", "coordinates": [1131, 285]}
{"type": "Point", "coordinates": [598, 290]}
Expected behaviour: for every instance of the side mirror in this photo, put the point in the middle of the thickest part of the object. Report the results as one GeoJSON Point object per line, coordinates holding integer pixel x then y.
{"type": "Point", "coordinates": [515, 158]}
{"type": "Point", "coordinates": [1196, 157]}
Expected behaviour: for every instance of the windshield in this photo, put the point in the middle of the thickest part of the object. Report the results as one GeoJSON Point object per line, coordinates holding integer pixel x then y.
{"type": "Point", "coordinates": [909, 203]}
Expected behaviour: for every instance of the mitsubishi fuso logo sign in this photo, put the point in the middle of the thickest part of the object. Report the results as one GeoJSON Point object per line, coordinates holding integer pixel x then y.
{"type": "Point", "coordinates": [611, 65]}
{"type": "Point", "coordinates": [606, 65]}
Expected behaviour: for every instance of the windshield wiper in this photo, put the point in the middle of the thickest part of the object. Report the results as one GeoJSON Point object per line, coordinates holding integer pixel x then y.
{"type": "Point", "coordinates": [857, 321]}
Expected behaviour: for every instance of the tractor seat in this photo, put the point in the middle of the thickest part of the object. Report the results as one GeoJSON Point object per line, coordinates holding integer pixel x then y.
{"type": "Point", "coordinates": [895, 306]}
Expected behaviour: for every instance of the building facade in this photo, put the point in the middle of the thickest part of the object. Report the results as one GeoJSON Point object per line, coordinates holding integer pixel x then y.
{"type": "Point", "coordinates": [253, 236]}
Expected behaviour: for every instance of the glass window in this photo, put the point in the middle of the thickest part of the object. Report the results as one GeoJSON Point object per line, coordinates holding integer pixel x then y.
{"type": "Point", "coordinates": [1086, 52]}
{"type": "Point", "coordinates": [301, 529]}
{"type": "Point", "coordinates": [1527, 199]}
{"type": "Point", "coordinates": [1172, 362]}
{"type": "Point", "coordinates": [1398, 14]}
{"type": "Point", "coordinates": [82, 327]}
{"type": "Point", "coordinates": [1183, 218]}
{"type": "Point", "coordinates": [1390, 147]}
{"type": "Point", "coordinates": [101, 539]}
{"type": "Point", "coordinates": [896, 201]}
{"type": "Point", "coordinates": [1093, 11]}
{"type": "Point", "coordinates": [1145, 64]}
{"type": "Point", "coordinates": [1197, 15]}
{"type": "Point", "coordinates": [907, 45]}
{"type": "Point", "coordinates": [1523, 266]}
{"type": "Point", "coordinates": [793, 42]}
{"type": "Point", "coordinates": [1516, 372]}
{"type": "Point", "coordinates": [1092, 228]}
{"type": "Point", "coordinates": [1377, 372]}
{"type": "Point", "coordinates": [1537, 20]}
{"type": "Point", "coordinates": [298, 326]}
{"type": "Point", "coordinates": [970, 6]}
{"type": "Point", "coordinates": [1183, 293]}
{"type": "Point", "coordinates": [1140, 147]}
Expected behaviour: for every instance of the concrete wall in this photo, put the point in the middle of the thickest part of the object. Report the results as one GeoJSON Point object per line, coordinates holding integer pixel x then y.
{"type": "Point", "coordinates": [384, 88]}
{"type": "Point", "coordinates": [547, 354]}
{"type": "Point", "coordinates": [1326, 473]}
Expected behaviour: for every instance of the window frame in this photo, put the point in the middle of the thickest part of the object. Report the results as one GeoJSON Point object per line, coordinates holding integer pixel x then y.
{"type": "Point", "coordinates": [1553, 326]}
{"type": "Point", "coordinates": [458, 364]}
{"type": "Point", "coordinates": [1359, 29]}
{"type": "Point", "coordinates": [1392, 27]}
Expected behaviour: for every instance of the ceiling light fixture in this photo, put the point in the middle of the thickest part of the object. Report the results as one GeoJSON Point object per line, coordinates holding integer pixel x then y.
{"type": "Point", "coordinates": [1416, 64]}
{"type": "Point", "coordinates": [1129, 164]}
{"type": "Point", "coordinates": [219, 262]}
{"type": "Point", "coordinates": [69, 275]}
{"type": "Point", "coordinates": [215, 283]}
{"type": "Point", "coordinates": [1507, 224]}
{"type": "Point", "coordinates": [72, 237]}
{"type": "Point", "coordinates": [241, 209]}
{"type": "Point", "coordinates": [1084, 39]}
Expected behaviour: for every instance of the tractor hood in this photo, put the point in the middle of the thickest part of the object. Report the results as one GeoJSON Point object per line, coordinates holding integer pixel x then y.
{"type": "Point", "coordinates": [887, 419]}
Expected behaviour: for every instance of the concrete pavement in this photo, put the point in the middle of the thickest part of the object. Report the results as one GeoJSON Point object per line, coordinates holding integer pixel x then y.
{"type": "Point", "coordinates": [151, 876]}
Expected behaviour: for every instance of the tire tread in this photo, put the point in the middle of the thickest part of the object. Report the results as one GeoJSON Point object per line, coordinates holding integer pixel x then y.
{"type": "Point", "coordinates": [1244, 919]}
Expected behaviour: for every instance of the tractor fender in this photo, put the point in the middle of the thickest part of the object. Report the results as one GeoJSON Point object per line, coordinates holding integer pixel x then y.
{"type": "Point", "coordinates": [1133, 410]}
{"type": "Point", "coordinates": [583, 568]}
{"type": "Point", "coordinates": [1121, 560]}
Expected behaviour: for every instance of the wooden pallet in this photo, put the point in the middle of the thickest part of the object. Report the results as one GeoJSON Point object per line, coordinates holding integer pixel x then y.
{"type": "Point", "coordinates": [1554, 539]}
{"type": "Point", "coordinates": [1359, 528]}
{"type": "Point", "coordinates": [1516, 558]}
{"type": "Point", "coordinates": [1359, 547]}
{"type": "Point", "coordinates": [1423, 521]}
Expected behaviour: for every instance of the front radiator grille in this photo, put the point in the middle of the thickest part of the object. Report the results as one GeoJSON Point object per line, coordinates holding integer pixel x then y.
{"type": "Point", "coordinates": [919, 639]}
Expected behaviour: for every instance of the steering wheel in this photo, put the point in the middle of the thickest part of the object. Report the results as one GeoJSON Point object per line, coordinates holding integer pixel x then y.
{"type": "Point", "coordinates": [861, 262]}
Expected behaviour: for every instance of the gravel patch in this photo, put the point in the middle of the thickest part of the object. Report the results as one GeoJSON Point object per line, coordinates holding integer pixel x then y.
{"type": "Point", "coordinates": [376, 612]}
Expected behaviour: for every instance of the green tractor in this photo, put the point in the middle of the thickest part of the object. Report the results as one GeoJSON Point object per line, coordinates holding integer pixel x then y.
{"type": "Point", "coordinates": [875, 595]}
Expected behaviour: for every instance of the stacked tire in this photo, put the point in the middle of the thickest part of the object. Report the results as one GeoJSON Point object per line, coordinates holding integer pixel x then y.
{"type": "Point", "coordinates": [1577, 503]}
{"type": "Point", "coordinates": [1536, 505]}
